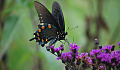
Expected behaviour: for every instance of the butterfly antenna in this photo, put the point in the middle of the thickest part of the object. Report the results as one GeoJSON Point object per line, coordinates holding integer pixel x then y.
{"type": "Point", "coordinates": [67, 29]}
{"type": "Point", "coordinates": [71, 28]}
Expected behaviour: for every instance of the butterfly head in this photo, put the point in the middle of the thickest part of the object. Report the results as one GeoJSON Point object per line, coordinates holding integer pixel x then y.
{"type": "Point", "coordinates": [66, 33]}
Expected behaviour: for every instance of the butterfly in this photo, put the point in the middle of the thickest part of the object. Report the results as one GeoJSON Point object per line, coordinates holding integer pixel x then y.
{"type": "Point", "coordinates": [51, 27]}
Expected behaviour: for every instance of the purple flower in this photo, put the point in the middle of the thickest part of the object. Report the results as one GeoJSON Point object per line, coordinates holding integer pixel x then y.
{"type": "Point", "coordinates": [66, 56]}
{"type": "Point", "coordinates": [60, 48]}
{"type": "Point", "coordinates": [118, 43]}
{"type": "Point", "coordinates": [56, 49]}
{"type": "Point", "coordinates": [58, 58]}
{"type": "Point", "coordinates": [76, 54]}
{"type": "Point", "coordinates": [102, 67]}
{"type": "Point", "coordinates": [113, 64]}
{"type": "Point", "coordinates": [61, 45]}
{"type": "Point", "coordinates": [115, 55]}
{"type": "Point", "coordinates": [101, 55]}
{"type": "Point", "coordinates": [104, 48]}
{"type": "Point", "coordinates": [85, 54]}
{"type": "Point", "coordinates": [52, 47]}
{"type": "Point", "coordinates": [109, 47]}
{"type": "Point", "coordinates": [69, 55]}
{"type": "Point", "coordinates": [72, 47]}
{"type": "Point", "coordinates": [105, 54]}
{"type": "Point", "coordinates": [95, 51]}
{"type": "Point", "coordinates": [90, 60]}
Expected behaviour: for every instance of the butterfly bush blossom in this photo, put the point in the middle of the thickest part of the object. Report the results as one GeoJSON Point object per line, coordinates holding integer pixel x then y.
{"type": "Point", "coordinates": [104, 58]}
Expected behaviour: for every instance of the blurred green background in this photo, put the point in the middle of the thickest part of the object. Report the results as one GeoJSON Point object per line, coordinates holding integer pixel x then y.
{"type": "Point", "coordinates": [18, 19]}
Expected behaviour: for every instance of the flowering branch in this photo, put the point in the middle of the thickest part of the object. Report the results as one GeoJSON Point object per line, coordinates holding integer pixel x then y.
{"type": "Point", "coordinates": [104, 58]}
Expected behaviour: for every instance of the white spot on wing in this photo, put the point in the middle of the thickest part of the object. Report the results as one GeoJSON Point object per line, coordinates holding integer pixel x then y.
{"type": "Point", "coordinates": [41, 17]}
{"type": "Point", "coordinates": [41, 23]}
{"type": "Point", "coordinates": [41, 20]}
{"type": "Point", "coordinates": [57, 32]}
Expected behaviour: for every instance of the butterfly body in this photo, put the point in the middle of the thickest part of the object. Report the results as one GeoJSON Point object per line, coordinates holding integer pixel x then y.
{"type": "Point", "coordinates": [51, 27]}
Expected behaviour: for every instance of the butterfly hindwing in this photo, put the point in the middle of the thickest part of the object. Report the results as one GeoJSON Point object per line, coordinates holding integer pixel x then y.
{"type": "Point", "coordinates": [45, 33]}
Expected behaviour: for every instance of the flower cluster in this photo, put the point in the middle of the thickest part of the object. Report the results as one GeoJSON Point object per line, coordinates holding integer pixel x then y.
{"type": "Point", "coordinates": [106, 57]}
{"type": "Point", "coordinates": [71, 59]}
{"type": "Point", "coordinates": [100, 59]}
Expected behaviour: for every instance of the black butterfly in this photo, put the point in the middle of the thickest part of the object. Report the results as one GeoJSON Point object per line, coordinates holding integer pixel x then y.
{"type": "Point", "coordinates": [51, 27]}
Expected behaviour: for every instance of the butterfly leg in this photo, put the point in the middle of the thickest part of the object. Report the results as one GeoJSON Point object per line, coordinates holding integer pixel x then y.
{"type": "Point", "coordinates": [66, 40]}
{"type": "Point", "coordinates": [61, 42]}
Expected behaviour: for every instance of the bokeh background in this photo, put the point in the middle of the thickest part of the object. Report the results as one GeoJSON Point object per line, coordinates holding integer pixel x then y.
{"type": "Point", "coordinates": [18, 20]}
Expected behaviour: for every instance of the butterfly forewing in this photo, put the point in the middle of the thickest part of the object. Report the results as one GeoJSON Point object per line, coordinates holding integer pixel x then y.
{"type": "Point", "coordinates": [58, 15]}
{"type": "Point", "coordinates": [44, 15]}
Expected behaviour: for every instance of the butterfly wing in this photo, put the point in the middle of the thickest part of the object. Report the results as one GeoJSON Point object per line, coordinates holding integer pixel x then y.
{"type": "Point", "coordinates": [44, 15]}
{"type": "Point", "coordinates": [50, 24]}
{"type": "Point", "coordinates": [58, 15]}
{"type": "Point", "coordinates": [48, 27]}
{"type": "Point", "coordinates": [44, 34]}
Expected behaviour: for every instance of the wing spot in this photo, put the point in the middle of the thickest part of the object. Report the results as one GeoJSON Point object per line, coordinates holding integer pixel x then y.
{"type": "Point", "coordinates": [42, 40]}
{"type": "Point", "coordinates": [38, 38]}
{"type": "Point", "coordinates": [49, 26]}
{"type": "Point", "coordinates": [47, 40]}
{"type": "Point", "coordinates": [38, 34]}
{"type": "Point", "coordinates": [43, 27]}
{"type": "Point", "coordinates": [39, 30]}
{"type": "Point", "coordinates": [41, 23]}
{"type": "Point", "coordinates": [57, 32]}
{"type": "Point", "coordinates": [41, 17]}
